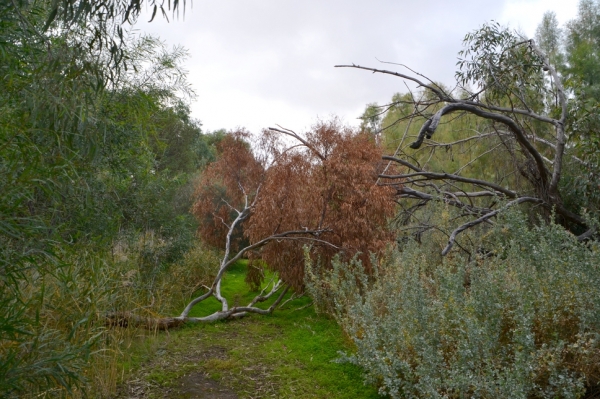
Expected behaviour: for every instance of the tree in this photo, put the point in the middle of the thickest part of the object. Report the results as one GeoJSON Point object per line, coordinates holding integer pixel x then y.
{"type": "Point", "coordinates": [581, 69]}
{"type": "Point", "coordinates": [320, 192]}
{"type": "Point", "coordinates": [96, 27]}
{"type": "Point", "coordinates": [511, 99]}
{"type": "Point", "coordinates": [77, 165]}
{"type": "Point", "coordinates": [371, 119]}
{"type": "Point", "coordinates": [548, 36]}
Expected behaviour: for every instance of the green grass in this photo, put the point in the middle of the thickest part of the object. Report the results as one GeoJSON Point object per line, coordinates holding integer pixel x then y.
{"type": "Point", "coordinates": [289, 354]}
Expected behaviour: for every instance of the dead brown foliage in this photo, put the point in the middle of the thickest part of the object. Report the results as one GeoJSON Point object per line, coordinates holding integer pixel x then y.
{"type": "Point", "coordinates": [222, 185]}
{"type": "Point", "coordinates": [323, 181]}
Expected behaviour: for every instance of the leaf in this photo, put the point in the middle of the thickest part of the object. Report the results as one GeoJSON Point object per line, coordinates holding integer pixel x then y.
{"type": "Point", "coordinates": [51, 16]}
{"type": "Point", "coordinates": [153, 13]}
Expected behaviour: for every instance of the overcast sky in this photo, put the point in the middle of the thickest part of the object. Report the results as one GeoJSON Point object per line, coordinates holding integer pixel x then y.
{"type": "Point", "coordinates": [257, 63]}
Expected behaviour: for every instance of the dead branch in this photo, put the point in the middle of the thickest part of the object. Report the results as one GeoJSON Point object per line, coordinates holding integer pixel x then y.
{"type": "Point", "coordinates": [441, 95]}
{"type": "Point", "coordinates": [482, 219]}
{"type": "Point", "coordinates": [541, 170]}
{"type": "Point", "coordinates": [449, 176]}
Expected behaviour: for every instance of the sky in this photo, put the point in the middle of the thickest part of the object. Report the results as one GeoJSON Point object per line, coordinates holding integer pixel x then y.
{"type": "Point", "coordinates": [261, 63]}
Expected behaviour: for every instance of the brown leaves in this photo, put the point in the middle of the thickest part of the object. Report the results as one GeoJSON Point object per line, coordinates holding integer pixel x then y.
{"type": "Point", "coordinates": [324, 180]}
{"type": "Point", "coordinates": [225, 186]}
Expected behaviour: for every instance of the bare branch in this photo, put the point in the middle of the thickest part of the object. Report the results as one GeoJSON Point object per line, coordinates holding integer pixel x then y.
{"type": "Point", "coordinates": [589, 233]}
{"type": "Point", "coordinates": [485, 217]}
{"type": "Point", "coordinates": [197, 300]}
{"type": "Point", "coordinates": [461, 141]}
{"type": "Point", "coordinates": [448, 176]}
{"type": "Point", "coordinates": [261, 298]}
{"type": "Point", "coordinates": [266, 240]}
{"type": "Point", "coordinates": [407, 192]}
{"type": "Point", "coordinates": [402, 162]}
{"type": "Point", "coordinates": [413, 71]}
{"type": "Point", "coordinates": [442, 96]}
{"type": "Point", "coordinates": [517, 111]}
{"type": "Point", "coordinates": [300, 139]}
{"type": "Point", "coordinates": [431, 125]}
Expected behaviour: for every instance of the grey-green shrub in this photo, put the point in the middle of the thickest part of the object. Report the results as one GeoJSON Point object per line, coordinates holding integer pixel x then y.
{"type": "Point", "coordinates": [522, 323]}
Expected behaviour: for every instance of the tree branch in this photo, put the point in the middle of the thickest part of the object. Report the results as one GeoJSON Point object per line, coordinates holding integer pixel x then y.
{"type": "Point", "coordinates": [300, 139]}
{"type": "Point", "coordinates": [430, 126]}
{"type": "Point", "coordinates": [485, 217]}
{"type": "Point", "coordinates": [444, 176]}
{"type": "Point", "coordinates": [442, 96]}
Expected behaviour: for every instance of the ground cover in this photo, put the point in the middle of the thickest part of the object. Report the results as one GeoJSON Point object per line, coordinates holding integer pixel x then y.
{"type": "Point", "coordinates": [289, 354]}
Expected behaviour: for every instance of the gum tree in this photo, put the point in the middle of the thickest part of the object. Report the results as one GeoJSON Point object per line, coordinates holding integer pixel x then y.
{"type": "Point", "coordinates": [509, 85]}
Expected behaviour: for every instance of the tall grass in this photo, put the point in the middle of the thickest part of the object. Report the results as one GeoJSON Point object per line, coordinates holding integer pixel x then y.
{"type": "Point", "coordinates": [53, 337]}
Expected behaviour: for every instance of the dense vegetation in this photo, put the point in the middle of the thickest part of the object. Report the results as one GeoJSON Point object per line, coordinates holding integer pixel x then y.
{"type": "Point", "coordinates": [511, 312]}
{"type": "Point", "coordinates": [453, 236]}
{"type": "Point", "coordinates": [95, 178]}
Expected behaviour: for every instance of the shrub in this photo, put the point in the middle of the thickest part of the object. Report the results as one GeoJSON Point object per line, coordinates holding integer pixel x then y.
{"type": "Point", "coordinates": [520, 322]}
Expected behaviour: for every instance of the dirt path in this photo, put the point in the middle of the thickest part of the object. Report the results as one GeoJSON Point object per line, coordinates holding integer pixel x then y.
{"type": "Point", "coordinates": [288, 355]}
{"type": "Point", "coordinates": [196, 385]}
{"type": "Point", "coordinates": [194, 364]}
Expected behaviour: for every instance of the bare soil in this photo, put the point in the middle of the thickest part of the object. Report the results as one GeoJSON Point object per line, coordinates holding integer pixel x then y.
{"type": "Point", "coordinates": [190, 365]}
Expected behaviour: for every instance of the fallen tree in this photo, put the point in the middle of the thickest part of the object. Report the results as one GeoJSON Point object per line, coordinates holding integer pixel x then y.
{"type": "Point", "coordinates": [523, 111]}
{"type": "Point", "coordinates": [270, 202]}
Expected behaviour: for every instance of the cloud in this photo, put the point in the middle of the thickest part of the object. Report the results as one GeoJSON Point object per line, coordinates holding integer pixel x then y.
{"type": "Point", "coordinates": [525, 15]}
{"type": "Point", "coordinates": [259, 62]}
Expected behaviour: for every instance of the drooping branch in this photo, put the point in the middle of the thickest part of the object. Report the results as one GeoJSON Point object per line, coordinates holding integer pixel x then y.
{"type": "Point", "coordinates": [430, 126]}
{"type": "Point", "coordinates": [482, 219]}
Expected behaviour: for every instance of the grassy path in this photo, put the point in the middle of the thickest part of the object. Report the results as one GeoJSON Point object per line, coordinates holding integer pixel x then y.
{"type": "Point", "coordinates": [285, 355]}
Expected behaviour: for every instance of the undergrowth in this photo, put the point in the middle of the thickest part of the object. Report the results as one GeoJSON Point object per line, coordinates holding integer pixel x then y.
{"type": "Point", "coordinates": [520, 320]}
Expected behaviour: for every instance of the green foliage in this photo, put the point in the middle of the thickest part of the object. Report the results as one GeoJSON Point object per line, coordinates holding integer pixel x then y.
{"type": "Point", "coordinates": [371, 118]}
{"type": "Point", "coordinates": [548, 36]}
{"type": "Point", "coordinates": [48, 329]}
{"type": "Point", "coordinates": [494, 59]}
{"type": "Point", "coordinates": [90, 155]}
{"type": "Point", "coordinates": [575, 50]}
{"type": "Point", "coordinates": [519, 320]}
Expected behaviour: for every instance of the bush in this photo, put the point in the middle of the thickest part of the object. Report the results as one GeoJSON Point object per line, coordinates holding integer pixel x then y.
{"type": "Point", "coordinates": [53, 339]}
{"type": "Point", "coordinates": [520, 322]}
{"type": "Point", "coordinates": [148, 284]}
{"type": "Point", "coordinates": [49, 327]}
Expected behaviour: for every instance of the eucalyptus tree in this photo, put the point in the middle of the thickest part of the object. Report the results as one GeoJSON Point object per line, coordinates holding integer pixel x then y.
{"type": "Point", "coordinates": [548, 35]}
{"type": "Point", "coordinates": [75, 157]}
{"type": "Point", "coordinates": [581, 68]}
{"type": "Point", "coordinates": [507, 82]}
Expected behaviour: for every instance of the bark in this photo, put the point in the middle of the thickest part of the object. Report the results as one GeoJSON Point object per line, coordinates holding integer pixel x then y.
{"type": "Point", "coordinates": [542, 171]}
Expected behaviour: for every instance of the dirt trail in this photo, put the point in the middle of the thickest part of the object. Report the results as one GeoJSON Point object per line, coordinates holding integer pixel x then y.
{"type": "Point", "coordinates": [199, 385]}
{"type": "Point", "coordinates": [190, 364]}
{"type": "Point", "coordinates": [196, 385]}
